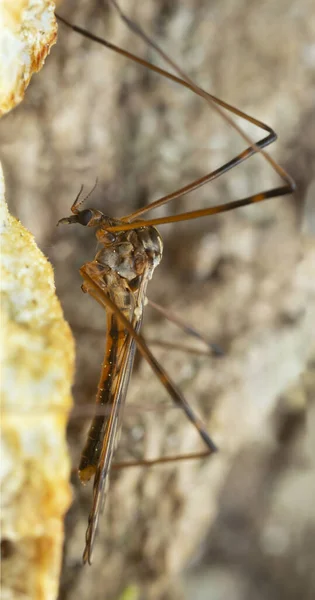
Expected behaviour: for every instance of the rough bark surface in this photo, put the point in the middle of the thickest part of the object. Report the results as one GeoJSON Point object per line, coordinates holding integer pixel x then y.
{"type": "Point", "coordinates": [245, 279]}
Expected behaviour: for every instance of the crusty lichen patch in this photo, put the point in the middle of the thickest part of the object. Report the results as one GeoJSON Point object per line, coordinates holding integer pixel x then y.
{"type": "Point", "coordinates": [37, 356]}
{"type": "Point", "coordinates": [27, 31]}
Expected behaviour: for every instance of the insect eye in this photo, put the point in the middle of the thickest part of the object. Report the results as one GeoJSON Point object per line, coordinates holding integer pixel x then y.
{"type": "Point", "coordinates": [84, 216]}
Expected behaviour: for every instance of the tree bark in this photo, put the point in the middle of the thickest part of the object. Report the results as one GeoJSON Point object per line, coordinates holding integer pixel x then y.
{"type": "Point", "coordinates": [244, 278]}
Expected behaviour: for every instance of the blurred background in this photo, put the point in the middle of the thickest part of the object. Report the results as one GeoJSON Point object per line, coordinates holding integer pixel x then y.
{"type": "Point", "coordinates": [242, 524]}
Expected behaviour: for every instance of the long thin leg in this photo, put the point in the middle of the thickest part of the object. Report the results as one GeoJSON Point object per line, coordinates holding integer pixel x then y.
{"type": "Point", "coordinates": [95, 290]}
{"type": "Point", "coordinates": [156, 461]}
{"type": "Point", "coordinates": [180, 347]}
{"type": "Point", "coordinates": [141, 61]}
{"type": "Point", "coordinates": [215, 103]}
{"type": "Point", "coordinates": [212, 348]}
{"type": "Point", "coordinates": [161, 460]}
{"type": "Point", "coordinates": [168, 314]}
{"type": "Point", "coordinates": [204, 212]}
{"type": "Point", "coordinates": [135, 28]}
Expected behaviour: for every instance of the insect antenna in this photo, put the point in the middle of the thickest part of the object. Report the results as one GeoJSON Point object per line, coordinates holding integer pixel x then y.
{"type": "Point", "coordinates": [77, 203]}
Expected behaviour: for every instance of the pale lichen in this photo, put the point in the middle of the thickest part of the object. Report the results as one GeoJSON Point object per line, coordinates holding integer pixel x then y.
{"type": "Point", "coordinates": [27, 31]}
{"type": "Point", "coordinates": [37, 356]}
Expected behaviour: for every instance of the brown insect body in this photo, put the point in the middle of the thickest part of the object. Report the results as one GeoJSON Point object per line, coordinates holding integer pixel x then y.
{"type": "Point", "coordinates": [122, 268]}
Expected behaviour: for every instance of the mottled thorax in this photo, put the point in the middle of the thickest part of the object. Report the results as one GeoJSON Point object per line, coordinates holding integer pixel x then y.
{"type": "Point", "coordinates": [130, 253]}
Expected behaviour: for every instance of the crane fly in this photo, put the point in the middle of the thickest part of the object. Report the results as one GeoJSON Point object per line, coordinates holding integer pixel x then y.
{"type": "Point", "coordinates": [118, 277]}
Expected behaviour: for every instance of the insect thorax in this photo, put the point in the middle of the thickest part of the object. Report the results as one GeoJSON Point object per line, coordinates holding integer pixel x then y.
{"type": "Point", "coordinates": [130, 253]}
